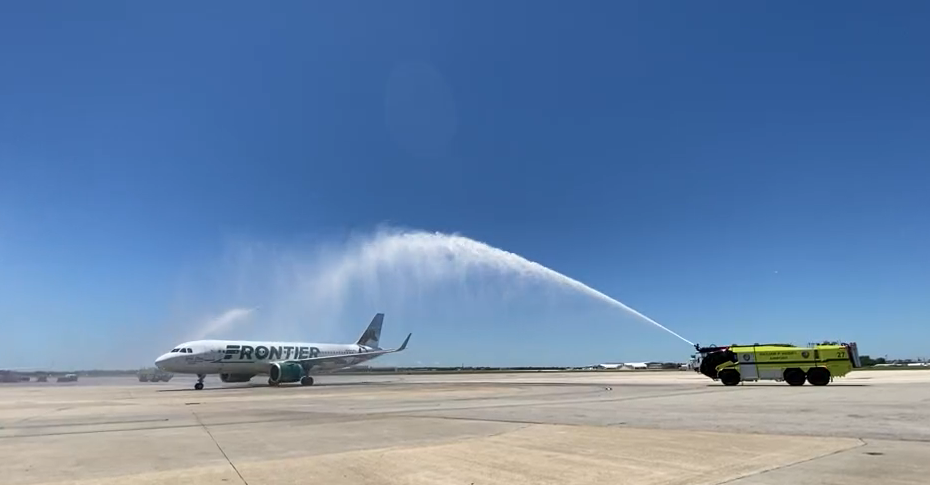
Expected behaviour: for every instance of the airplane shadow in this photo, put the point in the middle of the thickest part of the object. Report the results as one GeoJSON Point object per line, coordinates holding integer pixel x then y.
{"type": "Point", "coordinates": [402, 383]}
{"type": "Point", "coordinates": [266, 386]}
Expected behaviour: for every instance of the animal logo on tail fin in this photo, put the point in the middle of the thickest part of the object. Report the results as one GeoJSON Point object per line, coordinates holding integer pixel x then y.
{"type": "Point", "coordinates": [372, 335]}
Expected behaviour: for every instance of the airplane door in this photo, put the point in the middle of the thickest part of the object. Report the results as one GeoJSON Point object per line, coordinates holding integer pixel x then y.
{"type": "Point", "coordinates": [748, 370]}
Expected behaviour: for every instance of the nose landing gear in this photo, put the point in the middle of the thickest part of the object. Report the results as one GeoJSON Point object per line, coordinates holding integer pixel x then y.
{"type": "Point", "coordinates": [200, 378]}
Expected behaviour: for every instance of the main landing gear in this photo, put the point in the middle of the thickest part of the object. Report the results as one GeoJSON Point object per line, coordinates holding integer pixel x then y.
{"type": "Point", "coordinates": [200, 378]}
{"type": "Point", "coordinates": [306, 380]}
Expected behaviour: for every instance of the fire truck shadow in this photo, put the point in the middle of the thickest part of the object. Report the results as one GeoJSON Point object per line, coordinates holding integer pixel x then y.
{"type": "Point", "coordinates": [783, 386]}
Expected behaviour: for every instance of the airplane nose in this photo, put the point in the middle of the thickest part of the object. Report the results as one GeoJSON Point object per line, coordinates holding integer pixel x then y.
{"type": "Point", "coordinates": [162, 361]}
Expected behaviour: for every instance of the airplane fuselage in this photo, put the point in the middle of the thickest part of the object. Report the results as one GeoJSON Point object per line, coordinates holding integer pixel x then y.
{"type": "Point", "coordinates": [283, 362]}
{"type": "Point", "coordinates": [256, 357]}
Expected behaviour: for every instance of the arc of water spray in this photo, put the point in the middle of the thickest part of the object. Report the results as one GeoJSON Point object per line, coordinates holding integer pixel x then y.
{"type": "Point", "coordinates": [222, 321]}
{"type": "Point", "coordinates": [417, 246]}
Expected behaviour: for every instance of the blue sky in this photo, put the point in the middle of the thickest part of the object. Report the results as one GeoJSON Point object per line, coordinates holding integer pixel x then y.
{"type": "Point", "coordinates": [738, 172]}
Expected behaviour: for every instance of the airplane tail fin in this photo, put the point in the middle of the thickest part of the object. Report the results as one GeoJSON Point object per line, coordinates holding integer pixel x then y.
{"type": "Point", "coordinates": [372, 335]}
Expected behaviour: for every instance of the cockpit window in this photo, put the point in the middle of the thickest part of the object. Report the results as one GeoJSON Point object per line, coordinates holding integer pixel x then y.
{"type": "Point", "coordinates": [175, 350]}
{"type": "Point", "coordinates": [189, 351]}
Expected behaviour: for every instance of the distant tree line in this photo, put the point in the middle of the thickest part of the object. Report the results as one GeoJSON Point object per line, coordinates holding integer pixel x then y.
{"type": "Point", "coordinates": [869, 362]}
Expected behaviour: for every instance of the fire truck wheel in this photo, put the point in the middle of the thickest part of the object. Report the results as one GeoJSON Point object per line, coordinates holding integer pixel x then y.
{"type": "Point", "coordinates": [794, 377]}
{"type": "Point", "coordinates": [729, 377]}
{"type": "Point", "coordinates": [818, 376]}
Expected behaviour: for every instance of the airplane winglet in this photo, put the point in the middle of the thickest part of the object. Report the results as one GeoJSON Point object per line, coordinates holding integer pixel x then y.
{"type": "Point", "coordinates": [404, 345]}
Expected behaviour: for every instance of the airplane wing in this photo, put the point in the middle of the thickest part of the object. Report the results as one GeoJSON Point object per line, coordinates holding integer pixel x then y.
{"type": "Point", "coordinates": [350, 359]}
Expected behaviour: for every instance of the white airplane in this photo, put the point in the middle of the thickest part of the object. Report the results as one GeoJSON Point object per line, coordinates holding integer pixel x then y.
{"type": "Point", "coordinates": [241, 360]}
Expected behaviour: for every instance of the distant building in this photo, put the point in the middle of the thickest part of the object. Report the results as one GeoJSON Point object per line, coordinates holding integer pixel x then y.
{"type": "Point", "coordinates": [623, 365]}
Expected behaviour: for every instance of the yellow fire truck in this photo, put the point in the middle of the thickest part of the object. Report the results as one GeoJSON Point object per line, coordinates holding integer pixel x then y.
{"type": "Point", "coordinates": [817, 364]}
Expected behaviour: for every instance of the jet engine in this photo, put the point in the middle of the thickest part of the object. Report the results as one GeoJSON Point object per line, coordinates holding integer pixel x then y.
{"type": "Point", "coordinates": [236, 377]}
{"type": "Point", "coordinates": [285, 372]}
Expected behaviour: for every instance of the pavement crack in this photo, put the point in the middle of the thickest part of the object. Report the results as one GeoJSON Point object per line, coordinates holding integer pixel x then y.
{"type": "Point", "coordinates": [38, 415]}
{"type": "Point", "coordinates": [789, 465]}
{"type": "Point", "coordinates": [205, 428]}
{"type": "Point", "coordinates": [527, 423]}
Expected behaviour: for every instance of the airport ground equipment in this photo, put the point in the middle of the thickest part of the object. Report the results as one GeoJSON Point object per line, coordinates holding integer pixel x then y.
{"type": "Point", "coordinates": [817, 364]}
{"type": "Point", "coordinates": [12, 376]}
{"type": "Point", "coordinates": [154, 375]}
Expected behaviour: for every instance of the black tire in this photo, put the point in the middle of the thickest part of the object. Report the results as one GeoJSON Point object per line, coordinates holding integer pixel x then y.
{"type": "Point", "coordinates": [272, 383]}
{"type": "Point", "coordinates": [198, 386]}
{"type": "Point", "coordinates": [306, 381]}
{"type": "Point", "coordinates": [818, 376]}
{"type": "Point", "coordinates": [729, 377]}
{"type": "Point", "coordinates": [795, 377]}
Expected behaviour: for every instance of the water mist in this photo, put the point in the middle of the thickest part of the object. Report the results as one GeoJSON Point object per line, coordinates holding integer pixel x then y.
{"type": "Point", "coordinates": [437, 256]}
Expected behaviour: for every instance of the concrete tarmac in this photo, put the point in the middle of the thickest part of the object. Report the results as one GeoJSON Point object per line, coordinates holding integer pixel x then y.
{"type": "Point", "coordinates": [522, 428]}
